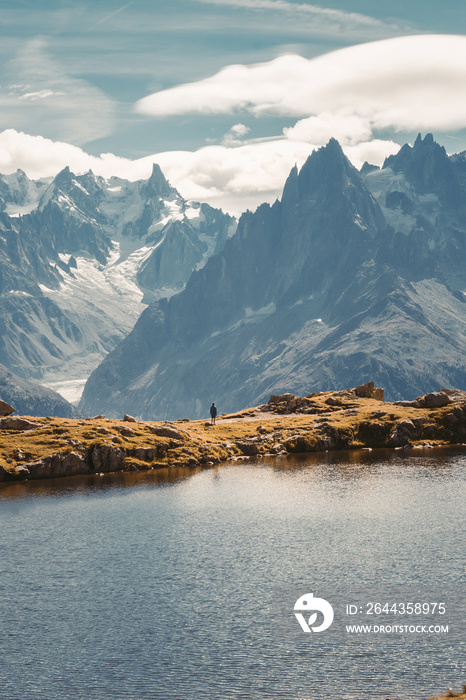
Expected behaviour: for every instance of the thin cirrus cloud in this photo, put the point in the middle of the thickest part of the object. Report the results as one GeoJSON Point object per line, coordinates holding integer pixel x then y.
{"type": "Point", "coordinates": [404, 83]}
{"type": "Point", "coordinates": [324, 19]}
{"type": "Point", "coordinates": [37, 93]}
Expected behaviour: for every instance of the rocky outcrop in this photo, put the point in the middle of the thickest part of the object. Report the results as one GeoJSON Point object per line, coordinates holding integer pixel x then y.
{"type": "Point", "coordinates": [436, 399]}
{"type": "Point", "coordinates": [369, 391]}
{"type": "Point", "coordinates": [404, 431]}
{"type": "Point", "coordinates": [53, 465]}
{"type": "Point", "coordinates": [288, 403]}
{"type": "Point", "coordinates": [107, 459]}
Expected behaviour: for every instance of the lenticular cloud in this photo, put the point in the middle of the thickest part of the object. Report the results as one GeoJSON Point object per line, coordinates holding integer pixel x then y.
{"type": "Point", "coordinates": [405, 83]}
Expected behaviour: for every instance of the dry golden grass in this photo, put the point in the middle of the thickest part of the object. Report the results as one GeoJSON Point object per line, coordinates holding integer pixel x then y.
{"type": "Point", "coordinates": [452, 694]}
{"type": "Point", "coordinates": [201, 442]}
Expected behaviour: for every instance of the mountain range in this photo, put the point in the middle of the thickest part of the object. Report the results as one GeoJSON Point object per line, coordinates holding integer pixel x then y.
{"type": "Point", "coordinates": [351, 275]}
{"type": "Point", "coordinates": [81, 257]}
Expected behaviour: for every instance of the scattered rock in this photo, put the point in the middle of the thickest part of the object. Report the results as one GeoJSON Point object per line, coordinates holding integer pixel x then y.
{"type": "Point", "coordinates": [166, 431]}
{"type": "Point", "coordinates": [332, 401]}
{"type": "Point", "coordinates": [247, 447]}
{"type": "Point", "coordinates": [281, 398]}
{"type": "Point", "coordinates": [129, 419]}
{"type": "Point", "coordinates": [277, 449]}
{"type": "Point", "coordinates": [102, 431]}
{"type": "Point", "coordinates": [5, 408]}
{"type": "Point", "coordinates": [99, 417]}
{"type": "Point", "coordinates": [369, 391]}
{"type": "Point", "coordinates": [126, 432]}
{"type": "Point", "coordinates": [17, 423]}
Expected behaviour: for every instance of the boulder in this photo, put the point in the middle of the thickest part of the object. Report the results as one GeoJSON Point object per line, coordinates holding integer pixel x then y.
{"type": "Point", "coordinates": [247, 447]}
{"type": "Point", "coordinates": [166, 431]}
{"type": "Point", "coordinates": [5, 408]}
{"type": "Point", "coordinates": [437, 399]}
{"type": "Point", "coordinates": [126, 432]}
{"type": "Point", "coordinates": [129, 419]}
{"type": "Point", "coordinates": [17, 423]}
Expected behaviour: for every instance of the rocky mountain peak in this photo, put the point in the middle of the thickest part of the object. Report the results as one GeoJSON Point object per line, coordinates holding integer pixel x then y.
{"type": "Point", "coordinates": [63, 179]}
{"type": "Point", "coordinates": [157, 184]}
{"type": "Point", "coordinates": [426, 166]}
{"type": "Point", "coordinates": [326, 174]}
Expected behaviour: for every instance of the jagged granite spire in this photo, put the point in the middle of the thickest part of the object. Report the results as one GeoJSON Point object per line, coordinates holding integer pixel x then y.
{"type": "Point", "coordinates": [157, 184]}
{"type": "Point", "coordinates": [426, 166]}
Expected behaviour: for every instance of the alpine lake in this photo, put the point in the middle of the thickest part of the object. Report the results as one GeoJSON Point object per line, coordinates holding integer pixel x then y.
{"type": "Point", "coordinates": [180, 584]}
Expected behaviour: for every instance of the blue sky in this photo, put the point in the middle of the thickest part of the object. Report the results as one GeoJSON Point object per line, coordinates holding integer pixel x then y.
{"type": "Point", "coordinates": [146, 81]}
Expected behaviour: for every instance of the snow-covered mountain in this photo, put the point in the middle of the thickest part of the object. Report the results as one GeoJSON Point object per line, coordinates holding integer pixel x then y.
{"type": "Point", "coordinates": [351, 276]}
{"type": "Point", "coordinates": [81, 257]}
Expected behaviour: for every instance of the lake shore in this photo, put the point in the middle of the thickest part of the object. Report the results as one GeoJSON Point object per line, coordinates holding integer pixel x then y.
{"type": "Point", "coordinates": [38, 448]}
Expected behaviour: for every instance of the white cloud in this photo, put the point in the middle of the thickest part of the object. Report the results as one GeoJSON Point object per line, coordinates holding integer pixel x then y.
{"type": "Point", "coordinates": [235, 135]}
{"type": "Point", "coordinates": [347, 128]}
{"type": "Point", "coordinates": [405, 83]}
{"type": "Point", "coordinates": [232, 178]}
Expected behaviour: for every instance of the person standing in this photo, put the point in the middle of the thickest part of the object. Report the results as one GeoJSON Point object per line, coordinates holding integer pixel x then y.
{"type": "Point", "coordinates": [213, 414]}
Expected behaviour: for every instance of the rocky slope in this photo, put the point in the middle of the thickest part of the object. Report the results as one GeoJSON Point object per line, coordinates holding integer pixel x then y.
{"type": "Point", "coordinates": [81, 257]}
{"type": "Point", "coordinates": [30, 398]}
{"type": "Point", "coordinates": [350, 419]}
{"type": "Point", "coordinates": [350, 274]}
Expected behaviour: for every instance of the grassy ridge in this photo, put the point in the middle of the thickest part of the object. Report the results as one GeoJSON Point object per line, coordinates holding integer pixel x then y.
{"type": "Point", "coordinates": [326, 421]}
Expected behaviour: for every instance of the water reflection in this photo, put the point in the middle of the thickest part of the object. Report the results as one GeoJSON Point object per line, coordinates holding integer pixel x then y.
{"type": "Point", "coordinates": [95, 483]}
{"type": "Point", "coordinates": [347, 464]}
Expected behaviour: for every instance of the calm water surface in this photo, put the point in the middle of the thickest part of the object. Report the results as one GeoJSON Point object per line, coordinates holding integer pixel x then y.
{"type": "Point", "coordinates": [181, 584]}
